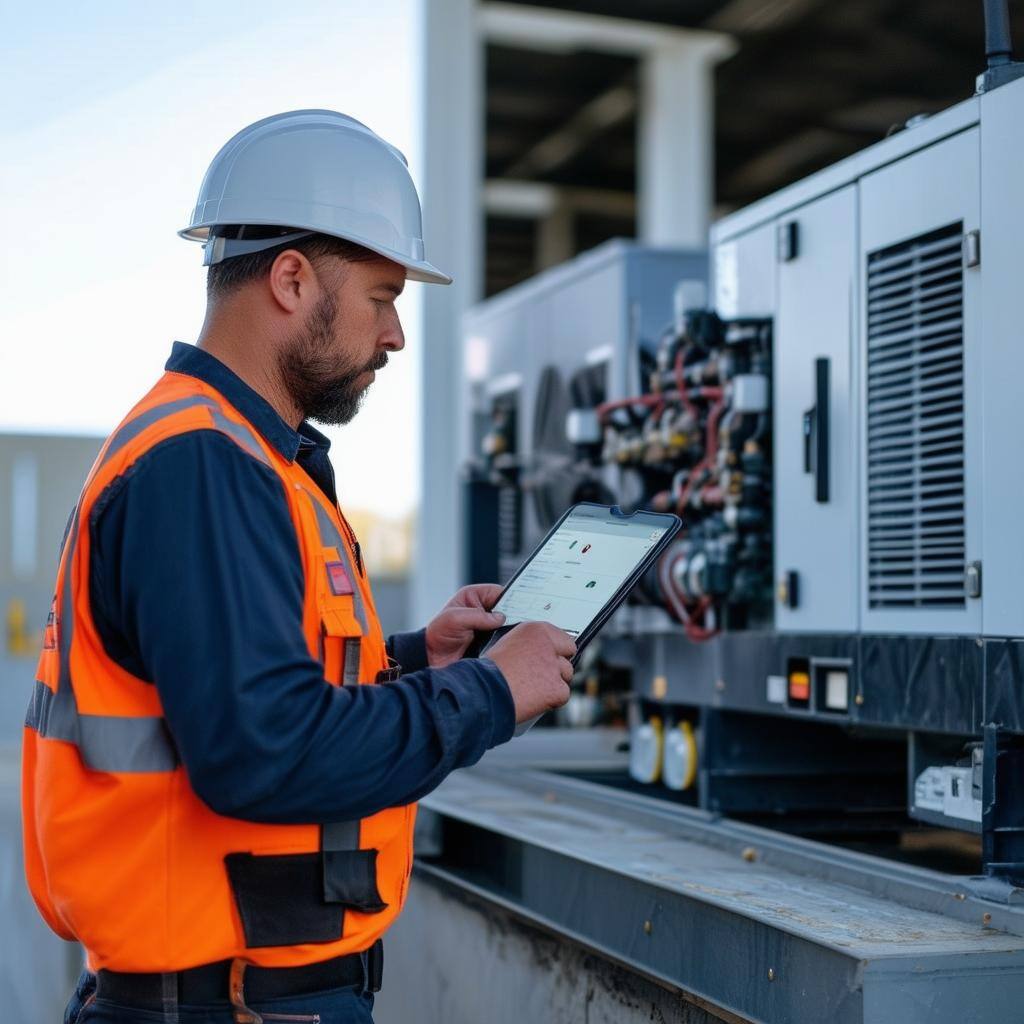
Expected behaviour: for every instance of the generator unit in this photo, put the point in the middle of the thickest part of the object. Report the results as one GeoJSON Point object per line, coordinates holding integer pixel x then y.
{"type": "Point", "coordinates": [835, 637]}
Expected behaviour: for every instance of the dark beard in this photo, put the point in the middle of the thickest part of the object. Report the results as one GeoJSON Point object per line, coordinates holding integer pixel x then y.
{"type": "Point", "coordinates": [309, 370]}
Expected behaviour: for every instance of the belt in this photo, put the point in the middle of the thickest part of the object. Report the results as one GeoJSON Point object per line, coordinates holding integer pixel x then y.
{"type": "Point", "coordinates": [209, 983]}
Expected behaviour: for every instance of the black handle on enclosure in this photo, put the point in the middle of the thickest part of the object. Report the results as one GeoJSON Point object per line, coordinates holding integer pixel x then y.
{"type": "Point", "coordinates": [816, 432]}
{"type": "Point", "coordinates": [809, 441]}
{"type": "Point", "coordinates": [821, 430]}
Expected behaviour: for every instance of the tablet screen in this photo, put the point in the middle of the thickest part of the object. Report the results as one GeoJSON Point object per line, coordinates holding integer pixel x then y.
{"type": "Point", "coordinates": [578, 571]}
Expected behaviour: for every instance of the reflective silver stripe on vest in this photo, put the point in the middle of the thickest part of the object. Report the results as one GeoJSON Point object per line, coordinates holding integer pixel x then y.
{"type": "Point", "coordinates": [241, 434]}
{"type": "Point", "coordinates": [340, 835]}
{"type": "Point", "coordinates": [330, 537]}
{"type": "Point", "coordinates": [238, 432]}
{"type": "Point", "coordinates": [350, 676]}
{"type": "Point", "coordinates": [133, 428]}
{"type": "Point", "coordinates": [106, 743]}
{"type": "Point", "coordinates": [113, 743]}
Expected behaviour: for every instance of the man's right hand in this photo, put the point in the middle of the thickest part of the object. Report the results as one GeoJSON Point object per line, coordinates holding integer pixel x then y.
{"type": "Point", "coordinates": [534, 658]}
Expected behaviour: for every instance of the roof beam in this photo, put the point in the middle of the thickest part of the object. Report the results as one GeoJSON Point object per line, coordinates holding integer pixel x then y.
{"type": "Point", "coordinates": [747, 16]}
{"type": "Point", "coordinates": [590, 121]}
{"type": "Point", "coordinates": [533, 200]}
{"type": "Point", "coordinates": [533, 28]}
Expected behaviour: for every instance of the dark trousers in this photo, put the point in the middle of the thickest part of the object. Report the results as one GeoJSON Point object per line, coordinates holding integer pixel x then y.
{"type": "Point", "coordinates": [351, 1005]}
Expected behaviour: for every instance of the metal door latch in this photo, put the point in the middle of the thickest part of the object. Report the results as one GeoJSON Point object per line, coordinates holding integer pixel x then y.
{"type": "Point", "coordinates": [972, 249]}
{"type": "Point", "coordinates": [972, 579]}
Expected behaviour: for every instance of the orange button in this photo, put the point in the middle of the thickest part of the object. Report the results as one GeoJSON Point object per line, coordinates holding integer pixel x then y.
{"type": "Point", "coordinates": [799, 686]}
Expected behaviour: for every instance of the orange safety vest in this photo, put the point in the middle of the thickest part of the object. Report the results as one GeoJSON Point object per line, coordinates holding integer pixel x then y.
{"type": "Point", "coordinates": [120, 853]}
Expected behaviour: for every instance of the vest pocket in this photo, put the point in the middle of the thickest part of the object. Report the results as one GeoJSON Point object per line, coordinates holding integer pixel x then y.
{"type": "Point", "coordinates": [280, 899]}
{"type": "Point", "coordinates": [341, 641]}
{"type": "Point", "coordinates": [293, 898]}
{"type": "Point", "coordinates": [350, 873]}
{"type": "Point", "coordinates": [350, 878]}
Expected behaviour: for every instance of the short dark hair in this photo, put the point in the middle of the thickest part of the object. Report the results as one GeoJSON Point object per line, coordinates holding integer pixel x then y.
{"type": "Point", "coordinates": [233, 273]}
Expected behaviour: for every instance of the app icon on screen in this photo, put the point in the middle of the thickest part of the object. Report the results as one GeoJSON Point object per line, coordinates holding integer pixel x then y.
{"type": "Point", "coordinates": [592, 583]}
{"type": "Point", "coordinates": [586, 548]}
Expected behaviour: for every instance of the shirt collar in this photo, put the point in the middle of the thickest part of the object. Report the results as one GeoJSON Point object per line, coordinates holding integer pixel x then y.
{"type": "Point", "coordinates": [194, 362]}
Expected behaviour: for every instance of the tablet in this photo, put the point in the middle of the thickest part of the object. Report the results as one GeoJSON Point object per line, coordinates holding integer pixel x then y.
{"type": "Point", "coordinates": [583, 570]}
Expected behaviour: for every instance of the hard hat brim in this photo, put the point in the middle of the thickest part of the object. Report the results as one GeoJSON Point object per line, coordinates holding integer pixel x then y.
{"type": "Point", "coordinates": [425, 272]}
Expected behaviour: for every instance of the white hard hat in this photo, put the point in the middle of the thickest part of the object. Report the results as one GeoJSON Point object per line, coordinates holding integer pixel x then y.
{"type": "Point", "coordinates": [310, 171]}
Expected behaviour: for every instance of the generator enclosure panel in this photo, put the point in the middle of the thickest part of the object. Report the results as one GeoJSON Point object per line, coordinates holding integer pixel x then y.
{"type": "Point", "coordinates": [837, 630]}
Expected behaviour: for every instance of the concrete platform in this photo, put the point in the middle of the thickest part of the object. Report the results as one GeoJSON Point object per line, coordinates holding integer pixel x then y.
{"type": "Point", "coordinates": [744, 922]}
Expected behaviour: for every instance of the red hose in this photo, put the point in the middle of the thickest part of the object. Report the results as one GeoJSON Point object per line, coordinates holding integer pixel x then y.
{"type": "Point", "coordinates": [695, 631]}
{"type": "Point", "coordinates": [625, 403]}
{"type": "Point", "coordinates": [698, 632]}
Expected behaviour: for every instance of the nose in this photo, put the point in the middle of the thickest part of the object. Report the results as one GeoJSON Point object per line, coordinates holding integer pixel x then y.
{"type": "Point", "coordinates": [393, 338]}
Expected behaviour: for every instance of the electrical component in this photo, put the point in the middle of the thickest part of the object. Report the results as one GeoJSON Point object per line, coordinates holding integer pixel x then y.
{"type": "Point", "coordinates": [583, 426]}
{"type": "Point", "coordinates": [679, 768]}
{"type": "Point", "coordinates": [799, 684]}
{"type": "Point", "coordinates": [949, 790]}
{"type": "Point", "coordinates": [645, 750]}
{"type": "Point", "coordinates": [834, 688]}
{"type": "Point", "coordinates": [750, 393]}
{"type": "Point", "coordinates": [775, 689]}
{"type": "Point", "coordinates": [697, 443]}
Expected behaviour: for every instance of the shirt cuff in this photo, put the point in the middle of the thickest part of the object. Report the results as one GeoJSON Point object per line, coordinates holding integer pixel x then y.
{"type": "Point", "coordinates": [409, 650]}
{"type": "Point", "coordinates": [479, 712]}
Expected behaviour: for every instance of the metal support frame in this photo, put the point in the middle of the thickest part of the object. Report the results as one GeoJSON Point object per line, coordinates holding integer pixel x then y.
{"type": "Point", "coordinates": [677, 139]}
{"type": "Point", "coordinates": [676, 105]}
{"type": "Point", "coordinates": [1002, 816]}
{"type": "Point", "coordinates": [675, 201]}
{"type": "Point", "coordinates": [451, 96]}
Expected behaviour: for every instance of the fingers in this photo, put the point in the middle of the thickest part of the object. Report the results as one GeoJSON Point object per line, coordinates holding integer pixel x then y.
{"type": "Point", "coordinates": [563, 643]}
{"type": "Point", "coordinates": [488, 593]}
{"type": "Point", "coordinates": [475, 618]}
{"type": "Point", "coordinates": [477, 595]}
{"type": "Point", "coordinates": [566, 670]}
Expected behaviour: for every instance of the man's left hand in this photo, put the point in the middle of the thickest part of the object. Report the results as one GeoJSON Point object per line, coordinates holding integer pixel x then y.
{"type": "Point", "coordinates": [452, 630]}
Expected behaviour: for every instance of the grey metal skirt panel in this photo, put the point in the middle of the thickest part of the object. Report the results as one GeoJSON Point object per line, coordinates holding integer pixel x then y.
{"type": "Point", "coordinates": [951, 684]}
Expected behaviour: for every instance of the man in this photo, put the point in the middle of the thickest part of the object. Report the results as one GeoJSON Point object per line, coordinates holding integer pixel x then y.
{"type": "Point", "coordinates": [214, 806]}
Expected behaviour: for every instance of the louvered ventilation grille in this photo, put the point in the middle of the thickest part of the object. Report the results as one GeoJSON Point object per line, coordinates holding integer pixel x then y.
{"type": "Point", "coordinates": [916, 423]}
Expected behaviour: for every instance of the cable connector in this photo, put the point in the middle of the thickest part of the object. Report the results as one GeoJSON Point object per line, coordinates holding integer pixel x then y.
{"type": "Point", "coordinates": [999, 75]}
{"type": "Point", "coordinates": [1002, 68]}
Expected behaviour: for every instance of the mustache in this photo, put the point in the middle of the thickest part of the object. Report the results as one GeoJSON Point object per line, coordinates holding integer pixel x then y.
{"type": "Point", "coordinates": [378, 362]}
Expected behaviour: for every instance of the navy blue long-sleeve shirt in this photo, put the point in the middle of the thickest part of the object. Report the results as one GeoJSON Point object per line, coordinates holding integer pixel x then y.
{"type": "Point", "coordinates": [196, 585]}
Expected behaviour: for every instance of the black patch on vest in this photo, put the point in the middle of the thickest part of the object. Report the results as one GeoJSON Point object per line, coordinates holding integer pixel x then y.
{"type": "Point", "coordinates": [293, 898]}
{"type": "Point", "coordinates": [280, 899]}
{"type": "Point", "coordinates": [350, 878]}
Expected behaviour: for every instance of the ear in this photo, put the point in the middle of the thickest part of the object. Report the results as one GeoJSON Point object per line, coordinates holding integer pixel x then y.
{"type": "Point", "coordinates": [292, 281]}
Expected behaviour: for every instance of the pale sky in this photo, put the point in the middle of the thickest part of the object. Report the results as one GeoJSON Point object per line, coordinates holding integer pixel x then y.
{"type": "Point", "coordinates": [109, 116]}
